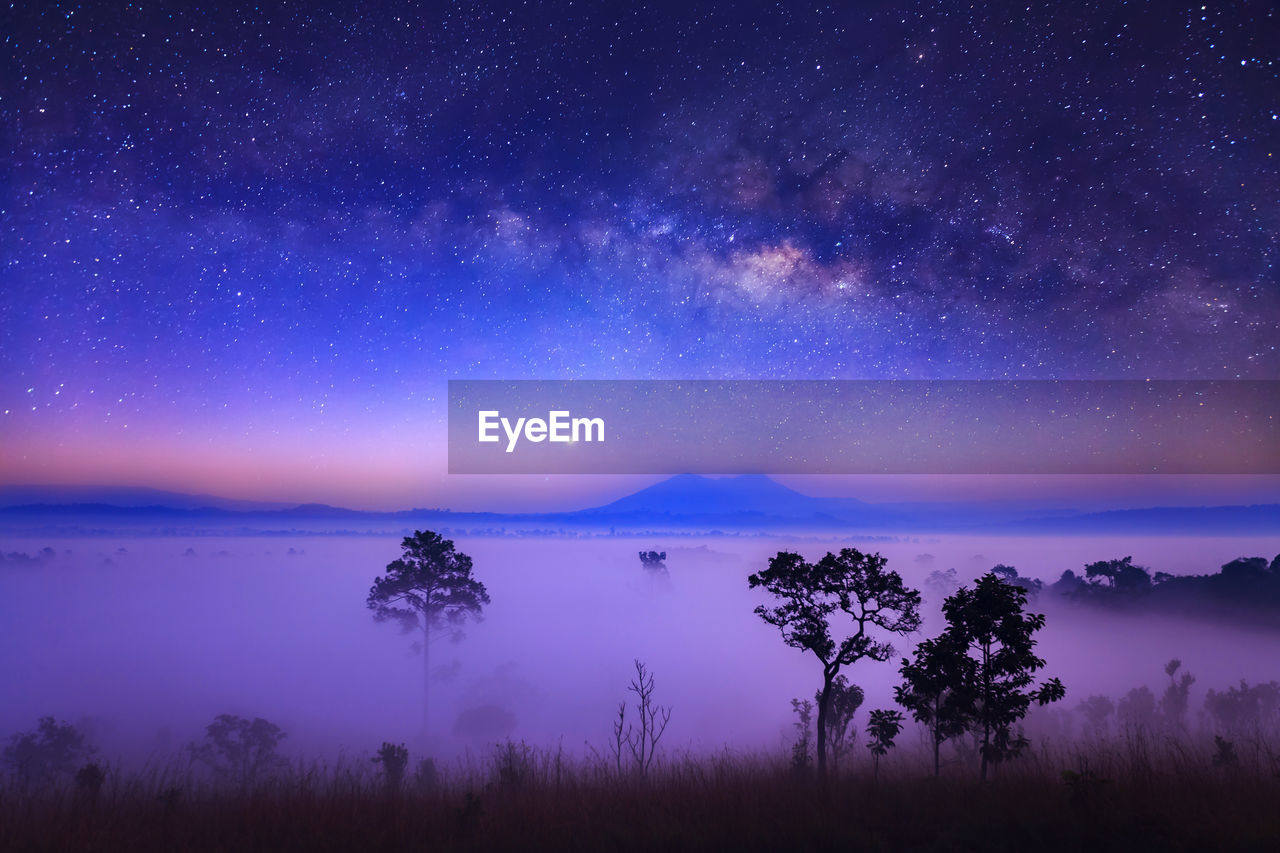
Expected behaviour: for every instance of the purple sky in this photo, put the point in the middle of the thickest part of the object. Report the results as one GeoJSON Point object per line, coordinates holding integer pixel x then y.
{"type": "Point", "coordinates": [243, 251]}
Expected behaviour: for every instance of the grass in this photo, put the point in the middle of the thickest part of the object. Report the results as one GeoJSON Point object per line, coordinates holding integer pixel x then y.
{"type": "Point", "coordinates": [1132, 793]}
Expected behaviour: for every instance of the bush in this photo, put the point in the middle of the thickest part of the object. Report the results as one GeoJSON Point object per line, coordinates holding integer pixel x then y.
{"type": "Point", "coordinates": [394, 758]}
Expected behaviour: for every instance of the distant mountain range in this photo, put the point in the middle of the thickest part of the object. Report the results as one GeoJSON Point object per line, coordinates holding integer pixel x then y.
{"type": "Point", "coordinates": [754, 495]}
{"type": "Point", "coordinates": [124, 496]}
{"type": "Point", "coordinates": [685, 502]}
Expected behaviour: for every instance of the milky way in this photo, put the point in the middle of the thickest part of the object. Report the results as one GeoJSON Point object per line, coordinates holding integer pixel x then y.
{"type": "Point", "coordinates": [289, 224]}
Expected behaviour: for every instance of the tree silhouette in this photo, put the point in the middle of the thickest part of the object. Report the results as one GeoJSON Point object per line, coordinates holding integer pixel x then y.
{"type": "Point", "coordinates": [849, 584]}
{"type": "Point", "coordinates": [428, 589]}
{"type": "Point", "coordinates": [1009, 574]}
{"type": "Point", "coordinates": [1244, 708]}
{"type": "Point", "coordinates": [1137, 708]}
{"type": "Point", "coordinates": [1005, 573]}
{"type": "Point", "coordinates": [1244, 570]}
{"type": "Point", "coordinates": [843, 702]}
{"type": "Point", "coordinates": [882, 728]}
{"type": "Point", "coordinates": [239, 749]}
{"type": "Point", "coordinates": [654, 560]}
{"type": "Point", "coordinates": [996, 671]}
{"type": "Point", "coordinates": [800, 758]}
{"type": "Point", "coordinates": [1120, 575]}
{"type": "Point", "coordinates": [394, 758]}
{"type": "Point", "coordinates": [52, 750]}
{"type": "Point", "coordinates": [642, 740]}
{"type": "Point", "coordinates": [932, 690]}
{"type": "Point", "coordinates": [1096, 710]}
{"type": "Point", "coordinates": [942, 583]}
{"type": "Point", "coordinates": [89, 779]}
{"type": "Point", "coordinates": [1173, 704]}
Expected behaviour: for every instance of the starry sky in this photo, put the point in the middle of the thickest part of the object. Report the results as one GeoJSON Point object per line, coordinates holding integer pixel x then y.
{"type": "Point", "coordinates": [244, 247]}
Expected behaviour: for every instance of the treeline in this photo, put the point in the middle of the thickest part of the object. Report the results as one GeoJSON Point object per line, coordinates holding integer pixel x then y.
{"type": "Point", "coordinates": [1243, 710]}
{"type": "Point", "coordinates": [1246, 589]}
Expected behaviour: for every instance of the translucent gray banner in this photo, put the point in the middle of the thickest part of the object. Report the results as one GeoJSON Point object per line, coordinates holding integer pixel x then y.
{"type": "Point", "coordinates": [864, 427]}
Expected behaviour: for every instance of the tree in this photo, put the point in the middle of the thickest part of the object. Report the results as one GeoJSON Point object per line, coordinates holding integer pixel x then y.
{"type": "Point", "coordinates": [89, 779]}
{"type": "Point", "coordinates": [1137, 708]}
{"type": "Point", "coordinates": [240, 749]}
{"type": "Point", "coordinates": [1096, 710]}
{"type": "Point", "coordinates": [1173, 704]}
{"type": "Point", "coordinates": [932, 690]}
{"type": "Point", "coordinates": [1005, 573]}
{"type": "Point", "coordinates": [1120, 575]}
{"type": "Point", "coordinates": [800, 757]}
{"type": "Point", "coordinates": [641, 741]}
{"type": "Point", "coordinates": [1245, 570]}
{"type": "Point", "coordinates": [882, 728]}
{"type": "Point", "coordinates": [654, 560]}
{"type": "Point", "coordinates": [394, 758]}
{"type": "Point", "coordinates": [942, 583]}
{"type": "Point", "coordinates": [1009, 574]}
{"type": "Point", "coordinates": [999, 662]}
{"type": "Point", "coordinates": [843, 702]}
{"type": "Point", "coordinates": [1244, 708]}
{"type": "Point", "coordinates": [428, 589]}
{"type": "Point", "coordinates": [53, 749]}
{"type": "Point", "coordinates": [849, 584]}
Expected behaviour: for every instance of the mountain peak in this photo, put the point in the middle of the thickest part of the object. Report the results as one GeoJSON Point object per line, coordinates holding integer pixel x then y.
{"type": "Point", "coordinates": [686, 494]}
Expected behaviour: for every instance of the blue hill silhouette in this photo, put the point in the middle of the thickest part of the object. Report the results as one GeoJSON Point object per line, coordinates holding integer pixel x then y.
{"type": "Point", "coordinates": [691, 494]}
{"type": "Point", "coordinates": [125, 496]}
{"type": "Point", "coordinates": [688, 502]}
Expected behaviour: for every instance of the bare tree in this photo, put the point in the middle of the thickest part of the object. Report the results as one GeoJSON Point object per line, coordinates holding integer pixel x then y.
{"type": "Point", "coordinates": [621, 731]}
{"type": "Point", "coordinates": [639, 740]}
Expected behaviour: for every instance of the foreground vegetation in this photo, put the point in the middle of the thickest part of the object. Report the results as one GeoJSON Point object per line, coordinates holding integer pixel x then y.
{"type": "Point", "coordinates": [1147, 773]}
{"type": "Point", "coordinates": [1136, 792]}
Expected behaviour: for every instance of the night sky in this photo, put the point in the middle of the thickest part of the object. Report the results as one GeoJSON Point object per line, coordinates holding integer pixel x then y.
{"type": "Point", "coordinates": [244, 247]}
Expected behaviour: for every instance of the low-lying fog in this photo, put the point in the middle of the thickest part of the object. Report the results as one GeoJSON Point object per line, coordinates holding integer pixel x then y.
{"type": "Point", "coordinates": [141, 642]}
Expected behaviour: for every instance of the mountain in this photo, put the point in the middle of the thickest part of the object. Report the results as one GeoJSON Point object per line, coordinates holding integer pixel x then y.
{"type": "Point", "coordinates": [1196, 520]}
{"type": "Point", "coordinates": [687, 502]}
{"type": "Point", "coordinates": [125, 496]}
{"type": "Point", "coordinates": [756, 496]}
{"type": "Point", "coordinates": [690, 494]}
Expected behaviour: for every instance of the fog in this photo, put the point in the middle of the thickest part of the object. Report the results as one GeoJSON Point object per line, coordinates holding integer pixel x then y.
{"type": "Point", "coordinates": [141, 642]}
